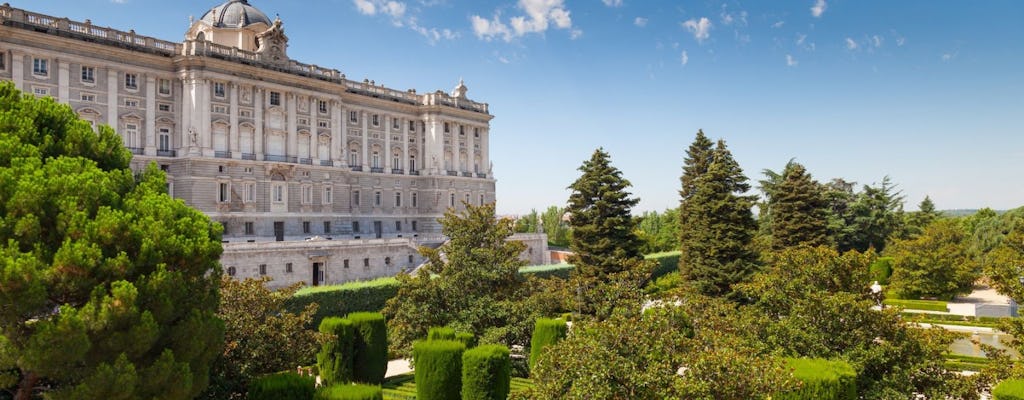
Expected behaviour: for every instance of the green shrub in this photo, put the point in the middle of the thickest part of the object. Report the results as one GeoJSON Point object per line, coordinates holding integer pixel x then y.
{"type": "Point", "coordinates": [881, 270]}
{"type": "Point", "coordinates": [486, 373]}
{"type": "Point", "coordinates": [370, 348]}
{"type": "Point", "coordinates": [344, 299]}
{"type": "Point", "coordinates": [283, 386]}
{"type": "Point", "coordinates": [546, 332]}
{"type": "Point", "coordinates": [441, 333]}
{"type": "Point", "coordinates": [822, 380]}
{"type": "Point", "coordinates": [668, 262]}
{"type": "Point", "coordinates": [466, 338]}
{"type": "Point", "coordinates": [438, 369]}
{"type": "Point", "coordinates": [927, 305]}
{"type": "Point", "coordinates": [1012, 389]}
{"type": "Point", "coordinates": [350, 392]}
{"type": "Point", "coordinates": [547, 271]}
{"type": "Point", "coordinates": [335, 359]}
{"type": "Point", "coordinates": [664, 284]}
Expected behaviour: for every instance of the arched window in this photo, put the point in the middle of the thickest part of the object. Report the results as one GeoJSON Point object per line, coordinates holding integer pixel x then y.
{"type": "Point", "coordinates": [231, 271]}
{"type": "Point", "coordinates": [412, 163]}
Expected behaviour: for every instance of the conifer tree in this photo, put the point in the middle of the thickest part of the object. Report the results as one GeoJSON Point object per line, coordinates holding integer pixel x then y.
{"type": "Point", "coordinates": [698, 158]}
{"type": "Point", "coordinates": [798, 211]}
{"type": "Point", "coordinates": [717, 225]}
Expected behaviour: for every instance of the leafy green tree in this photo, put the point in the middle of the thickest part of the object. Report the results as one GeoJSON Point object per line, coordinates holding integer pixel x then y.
{"type": "Point", "coordinates": [659, 231]}
{"type": "Point", "coordinates": [717, 225]}
{"type": "Point", "coordinates": [108, 286]}
{"type": "Point", "coordinates": [470, 283]}
{"type": "Point", "coordinates": [916, 221]}
{"type": "Point", "coordinates": [1004, 265]}
{"type": "Point", "coordinates": [260, 336]}
{"type": "Point", "coordinates": [935, 264]}
{"type": "Point", "coordinates": [839, 196]}
{"type": "Point", "coordinates": [798, 211]}
{"type": "Point", "coordinates": [769, 189]}
{"type": "Point", "coordinates": [558, 230]}
{"type": "Point", "coordinates": [528, 223]}
{"type": "Point", "coordinates": [873, 218]}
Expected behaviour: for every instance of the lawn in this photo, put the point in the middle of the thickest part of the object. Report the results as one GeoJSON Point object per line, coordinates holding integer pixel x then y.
{"type": "Point", "coordinates": [403, 387]}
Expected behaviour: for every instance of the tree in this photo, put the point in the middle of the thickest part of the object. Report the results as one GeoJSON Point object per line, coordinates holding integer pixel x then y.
{"type": "Point", "coordinates": [528, 223]}
{"type": "Point", "coordinates": [717, 225]}
{"type": "Point", "coordinates": [935, 264]}
{"type": "Point", "coordinates": [108, 285]}
{"type": "Point", "coordinates": [260, 337]}
{"type": "Point", "coordinates": [918, 220]}
{"type": "Point", "coordinates": [873, 218]}
{"type": "Point", "coordinates": [470, 283]}
{"type": "Point", "coordinates": [659, 231]}
{"type": "Point", "coordinates": [798, 212]}
{"type": "Point", "coordinates": [553, 220]}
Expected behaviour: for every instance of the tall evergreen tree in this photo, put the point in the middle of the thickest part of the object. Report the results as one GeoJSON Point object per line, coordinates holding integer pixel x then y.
{"type": "Point", "coordinates": [698, 159]}
{"type": "Point", "coordinates": [918, 220]}
{"type": "Point", "coordinates": [798, 211]}
{"type": "Point", "coordinates": [717, 226]}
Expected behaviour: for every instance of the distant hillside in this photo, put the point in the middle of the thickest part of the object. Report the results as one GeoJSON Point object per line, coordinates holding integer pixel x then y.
{"type": "Point", "coordinates": [965, 212]}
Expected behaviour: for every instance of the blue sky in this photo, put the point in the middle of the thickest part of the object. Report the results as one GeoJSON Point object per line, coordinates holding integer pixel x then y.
{"type": "Point", "coordinates": [928, 92]}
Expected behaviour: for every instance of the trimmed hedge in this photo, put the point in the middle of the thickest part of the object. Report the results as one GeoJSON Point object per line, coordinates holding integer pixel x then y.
{"type": "Point", "coordinates": [438, 369]}
{"type": "Point", "coordinates": [927, 305]}
{"type": "Point", "coordinates": [283, 386]}
{"type": "Point", "coordinates": [881, 270]}
{"type": "Point", "coordinates": [335, 359]}
{"type": "Point", "coordinates": [466, 338]}
{"type": "Point", "coordinates": [368, 296]}
{"type": "Point", "coordinates": [370, 347]}
{"type": "Point", "coordinates": [350, 392]}
{"type": "Point", "coordinates": [546, 332]}
{"type": "Point", "coordinates": [486, 373]}
{"type": "Point", "coordinates": [441, 333]}
{"type": "Point", "coordinates": [822, 380]}
{"type": "Point", "coordinates": [1011, 389]}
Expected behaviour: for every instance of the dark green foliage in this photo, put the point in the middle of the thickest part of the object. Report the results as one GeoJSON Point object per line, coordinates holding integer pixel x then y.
{"type": "Point", "coordinates": [717, 225]}
{"type": "Point", "coordinates": [916, 221]}
{"type": "Point", "coordinates": [441, 333]}
{"type": "Point", "coordinates": [466, 338]}
{"type": "Point", "coordinates": [336, 358]}
{"type": "Point", "coordinates": [881, 270]}
{"type": "Point", "coordinates": [659, 231]}
{"type": "Point", "coordinates": [1004, 261]}
{"type": "Point", "coordinates": [108, 286]}
{"type": "Point", "coordinates": [868, 221]}
{"type": "Point", "coordinates": [350, 392]}
{"type": "Point", "coordinates": [798, 213]}
{"type": "Point", "coordinates": [370, 347]}
{"type": "Point", "coordinates": [438, 369]}
{"type": "Point", "coordinates": [486, 373]}
{"type": "Point", "coordinates": [1011, 389]}
{"type": "Point", "coordinates": [546, 333]}
{"type": "Point", "coordinates": [344, 299]}
{"type": "Point", "coordinates": [935, 264]}
{"type": "Point", "coordinates": [558, 230]}
{"type": "Point", "coordinates": [667, 263]}
{"type": "Point", "coordinates": [821, 380]}
{"type": "Point", "coordinates": [283, 386]}
{"type": "Point", "coordinates": [548, 271]}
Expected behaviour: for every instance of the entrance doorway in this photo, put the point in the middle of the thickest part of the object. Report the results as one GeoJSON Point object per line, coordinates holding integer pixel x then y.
{"type": "Point", "coordinates": [279, 230]}
{"type": "Point", "coordinates": [317, 273]}
{"type": "Point", "coordinates": [377, 228]}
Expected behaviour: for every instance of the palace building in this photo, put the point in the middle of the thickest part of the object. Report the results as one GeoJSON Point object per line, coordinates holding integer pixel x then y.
{"type": "Point", "coordinates": [316, 178]}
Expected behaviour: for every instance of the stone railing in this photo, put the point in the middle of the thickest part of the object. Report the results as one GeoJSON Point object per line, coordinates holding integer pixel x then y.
{"type": "Point", "coordinates": [16, 16]}
{"type": "Point", "coordinates": [370, 88]}
{"type": "Point", "coordinates": [440, 98]}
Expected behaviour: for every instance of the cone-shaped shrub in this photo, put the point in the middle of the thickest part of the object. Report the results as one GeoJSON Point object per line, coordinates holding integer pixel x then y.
{"type": "Point", "coordinates": [466, 338]}
{"type": "Point", "coordinates": [438, 369]}
{"type": "Point", "coordinates": [486, 373]}
{"type": "Point", "coordinates": [283, 386]}
{"type": "Point", "coordinates": [1012, 389]}
{"type": "Point", "coordinates": [822, 380]}
{"type": "Point", "coordinates": [350, 392]}
{"type": "Point", "coordinates": [370, 347]}
{"type": "Point", "coordinates": [335, 359]}
{"type": "Point", "coordinates": [441, 333]}
{"type": "Point", "coordinates": [545, 333]}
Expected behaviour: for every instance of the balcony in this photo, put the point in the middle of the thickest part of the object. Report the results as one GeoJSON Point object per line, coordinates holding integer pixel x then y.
{"type": "Point", "coordinates": [453, 173]}
{"type": "Point", "coordinates": [414, 172]}
{"type": "Point", "coordinates": [306, 161]}
{"type": "Point", "coordinates": [376, 170]}
{"type": "Point", "coordinates": [356, 168]}
{"type": "Point", "coordinates": [222, 154]}
{"type": "Point", "coordinates": [480, 175]}
{"type": "Point", "coordinates": [326, 163]}
{"type": "Point", "coordinates": [467, 174]}
{"type": "Point", "coordinates": [136, 150]}
{"type": "Point", "coordinates": [398, 171]}
{"type": "Point", "coordinates": [287, 159]}
{"type": "Point", "coordinates": [166, 153]}
{"type": "Point", "coordinates": [249, 156]}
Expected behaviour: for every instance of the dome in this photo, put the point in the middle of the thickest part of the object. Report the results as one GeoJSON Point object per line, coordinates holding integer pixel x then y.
{"type": "Point", "coordinates": [235, 14]}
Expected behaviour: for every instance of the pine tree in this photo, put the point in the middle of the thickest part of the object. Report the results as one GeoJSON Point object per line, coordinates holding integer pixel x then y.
{"type": "Point", "coordinates": [798, 211]}
{"type": "Point", "coordinates": [717, 226]}
{"type": "Point", "coordinates": [698, 159]}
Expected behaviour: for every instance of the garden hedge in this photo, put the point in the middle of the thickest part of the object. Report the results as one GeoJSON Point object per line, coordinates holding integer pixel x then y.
{"type": "Point", "coordinates": [926, 305]}
{"type": "Point", "coordinates": [1012, 389]}
{"type": "Point", "coordinates": [344, 299]}
{"type": "Point", "coordinates": [822, 380]}
{"type": "Point", "coordinates": [486, 373]}
{"type": "Point", "coordinates": [881, 270]}
{"type": "Point", "coordinates": [546, 332]}
{"type": "Point", "coordinates": [441, 333]}
{"type": "Point", "coordinates": [283, 386]}
{"type": "Point", "coordinates": [350, 392]}
{"type": "Point", "coordinates": [370, 347]}
{"type": "Point", "coordinates": [335, 359]}
{"type": "Point", "coordinates": [667, 262]}
{"type": "Point", "coordinates": [438, 369]}
{"type": "Point", "coordinates": [466, 338]}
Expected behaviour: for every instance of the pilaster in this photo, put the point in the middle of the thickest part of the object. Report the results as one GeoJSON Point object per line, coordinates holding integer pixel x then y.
{"type": "Point", "coordinates": [336, 128]}
{"type": "Point", "coordinates": [149, 148]}
{"type": "Point", "coordinates": [63, 81]}
{"type": "Point", "coordinates": [365, 161]}
{"type": "Point", "coordinates": [233, 145]}
{"type": "Point", "coordinates": [291, 148]}
{"type": "Point", "coordinates": [18, 70]}
{"type": "Point", "coordinates": [112, 98]}
{"type": "Point", "coordinates": [258, 104]}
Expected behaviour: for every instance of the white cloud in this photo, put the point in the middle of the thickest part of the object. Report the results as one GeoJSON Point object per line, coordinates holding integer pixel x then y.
{"type": "Point", "coordinates": [790, 61]}
{"type": "Point", "coordinates": [640, 21]}
{"type": "Point", "coordinates": [612, 3]}
{"type": "Point", "coordinates": [396, 11]}
{"type": "Point", "coordinates": [701, 29]}
{"type": "Point", "coordinates": [876, 40]}
{"type": "Point", "coordinates": [119, 1]}
{"type": "Point", "coordinates": [685, 58]}
{"type": "Point", "coordinates": [819, 8]}
{"type": "Point", "coordinates": [851, 44]}
{"type": "Point", "coordinates": [540, 15]}
{"type": "Point", "coordinates": [365, 7]}
{"type": "Point", "coordinates": [947, 57]}
{"type": "Point", "coordinates": [729, 18]}
{"type": "Point", "coordinates": [489, 29]}
{"type": "Point", "coordinates": [778, 24]}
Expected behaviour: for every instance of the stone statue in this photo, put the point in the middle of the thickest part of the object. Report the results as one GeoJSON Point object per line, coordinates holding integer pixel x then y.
{"type": "Point", "coordinates": [193, 136]}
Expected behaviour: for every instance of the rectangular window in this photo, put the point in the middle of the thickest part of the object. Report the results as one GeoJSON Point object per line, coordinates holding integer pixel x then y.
{"type": "Point", "coordinates": [3, 61]}
{"type": "Point", "coordinates": [288, 268]}
{"type": "Point", "coordinates": [323, 123]}
{"type": "Point", "coordinates": [305, 227]}
{"type": "Point", "coordinates": [462, 130]}
{"type": "Point", "coordinates": [328, 195]}
{"type": "Point", "coordinates": [91, 98]}
{"type": "Point", "coordinates": [376, 120]}
{"type": "Point", "coordinates": [398, 226]}
{"type": "Point", "coordinates": [165, 140]}
{"type": "Point", "coordinates": [131, 103]}
{"type": "Point", "coordinates": [41, 91]}
{"type": "Point", "coordinates": [250, 192]}
{"type": "Point", "coordinates": [165, 87]}
{"type": "Point", "coordinates": [414, 200]}
{"type": "Point", "coordinates": [224, 192]}
{"type": "Point", "coordinates": [322, 106]}
{"type": "Point", "coordinates": [249, 228]}
{"type": "Point", "coordinates": [163, 107]}
{"type": "Point", "coordinates": [41, 67]}
{"type": "Point", "coordinates": [278, 193]}
{"type": "Point", "coordinates": [394, 123]}
{"type": "Point", "coordinates": [376, 199]}
{"type": "Point", "coordinates": [245, 113]}
{"type": "Point", "coordinates": [263, 269]}
{"type": "Point", "coordinates": [345, 264]}
{"type": "Point", "coordinates": [131, 81]}
{"type": "Point", "coordinates": [355, 197]}
{"type": "Point", "coordinates": [412, 126]}
{"type": "Point", "coordinates": [303, 121]}
{"type": "Point", "coordinates": [327, 227]}
{"type": "Point", "coordinates": [219, 90]}
{"type": "Point", "coordinates": [366, 262]}
{"type": "Point", "coordinates": [414, 226]}
{"type": "Point", "coordinates": [398, 199]}
{"type": "Point", "coordinates": [452, 199]}
{"type": "Point", "coordinates": [307, 195]}
{"type": "Point", "coordinates": [353, 117]}
{"type": "Point", "coordinates": [355, 226]}
{"type": "Point", "coordinates": [447, 128]}
{"type": "Point", "coordinates": [275, 98]}
{"type": "Point", "coordinates": [481, 200]}
{"type": "Point", "coordinates": [220, 110]}
{"type": "Point", "coordinates": [88, 74]}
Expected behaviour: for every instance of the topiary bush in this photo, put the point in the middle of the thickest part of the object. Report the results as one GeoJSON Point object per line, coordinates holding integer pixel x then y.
{"type": "Point", "coordinates": [822, 380]}
{"type": "Point", "coordinates": [546, 332]}
{"type": "Point", "coordinates": [466, 338]}
{"type": "Point", "coordinates": [370, 347]}
{"type": "Point", "coordinates": [441, 333]}
{"type": "Point", "coordinates": [335, 359]}
{"type": "Point", "coordinates": [486, 373]}
{"type": "Point", "coordinates": [368, 296]}
{"type": "Point", "coordinates": [350, 392]}
{"type": "Point", "coordinates": [283, 386]}
{"type": "Point", "coordinates": [1012, 389]}
{"type": "Point", "coordinates": [881, 270]}
{"type": "Point", "coordinates": [438, 369]}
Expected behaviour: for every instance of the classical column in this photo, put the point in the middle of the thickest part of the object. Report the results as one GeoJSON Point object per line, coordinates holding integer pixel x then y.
{"type": "Point", "coordinates": [150, 146]}
{"type": "Point", "coordinates": [456, 148]}
{"type": "Point", "coordinates": [185, 124]}
{"type": "Point", "coordinates": [405, 146]}
{"type": "Point", "coordinates": [433, 150]}
{"type": "Point", "coordinates": [205, 124]}
{"type": "Point", "coordinates": [63, 81]}
{"type": "Point", "coordinates": [18, 70]}
{"type": "Point", "coordinates": [387, 143]}
{"type": "Point", "coordinates": [344, 136]}
{"type": "Point", "coordinates": [336, 128]}
{"type": "Point", "coordinates": [314, 130]}
{"type": "Point", "coordinates": [258, 104]}
{"type": "Point", "coordinates": [233, 122]}
{"type": "Point", "coordinates": [485, 151]}
{"type": "Point", "coordinates": [471, 152]}
{"type": "Point", "coordinates": [112, 98]}
{"type": "Point", "coordinates": [293, 129]}
{"type": "Point", "coordinates": [366, 142]}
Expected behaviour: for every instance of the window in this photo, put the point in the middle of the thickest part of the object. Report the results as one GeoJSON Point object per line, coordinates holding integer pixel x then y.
{"type": "Point", "coordinates": [164, 107]}
{"type": "Point", "coordinates": [323, 123]}
{"type": "Point", "coordinates": [40, 91]}
{"type": "Point", "coordinates": [387, 260]}
{"type": "Point", "coordinates": [398, 226]}
{"type": "Point", "coordinates": [452, 199]}
{"type": "Point", "coordinates": [476, 132]}
{"type": "Point", "coordinates": [328, 195]}
{"type": "Point", "coordinates": [394, 123]}
{"type": "Point", "coordinates": [224, 194]}
{"type": "Point", "coordinates": [248, 170]}
{"type": "Point", "coordinates": [414, 226]}
{"type": "Point", "coordinates": [307, 195]}
{"type": "Point", "coordinates": [414, 199]}
{"type": "Point", "coordinates": [250, 192]}
{"type": "Point", "coordinates": [396, 162]}
{"type": "Point", "coordinates": [88, 74]}
{"type": "Point", "coordinates": [131, 130]}
{"type": "Point", "coordinates": [249, 228]}
{"type": "Point", "coordinates": [355, 197]}
{"type": "Point", "coordinates": [288, 268]}
{"type": "Point", "coordinates": [353, 158]}
{"type": "Point", "coordinates": [3, 61]}
{"type": "Point", "coordinates": [88, 97]}
{"type": "Point", "coordinates": [481, 200]}
{"type": "Point", "coordinates": [410, 259]}
{"type": "Point", "coordinates": [278, 194]}
{"type": "Point", "coordinates": [375, 159]}
{"type": "Point", "coordinates": [165, 87]}
{"type": "Point", "coordinates": [263, 269]}
{"type": "Point", "coordinates": [447, 128]}
{"type": "Point", "coordinates": [245, 113]}
{"type": "Point", "coordinates": [231, 271]}
{"type": "Point", "coordinates": [322, 106]}
{"type": "Point", "coordinates": [353, 117]}
{"type": "Point", "coordinates": [344, 264]}
{"type": "Point", "coordinates": [462, 130]}
{"type": "Point", "coordinates": [412, 163]}
{"type": "Point", "coordinates": [131, 81]}
{"type": "Point", "coordinates": [376, 120]}
{"type": "Point", "coordinates": [165, 140]}
{"type": "Point", "coordinates": [412, 126]}
{"type": "Point", "coordinates": [376, 199]}
{"type": "Point", "coordinates": [366, 262]}
{"type": "Point", "coordinates": [220, 110]}
{"type": "Point", "coordinates": [303, 121]}
{"type": "Point", "coordinates": [355, 226]}
{"type": "Point", "coordinates": [41, 67]}
{"type": "Point", "coordinates": [305, 227]}
{"type": "Point", "coordinates": [275, 98]}
{"type": "Point", "coordinates": [398, 199]}
{"type": "Point", "coordinates": [218, 90]}
{"type": "Point", "coordinates": [131, 103]}
{"type": "Point", "coordinates": [327, 227]}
